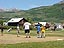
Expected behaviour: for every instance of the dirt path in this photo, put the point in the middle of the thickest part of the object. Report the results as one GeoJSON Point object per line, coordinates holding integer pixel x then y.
{"type": "Point", "coordinates": [12, 39]}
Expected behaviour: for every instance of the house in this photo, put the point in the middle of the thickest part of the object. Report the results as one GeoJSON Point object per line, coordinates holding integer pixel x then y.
{"type": "Point", "coordinates": [46, 24]}
{"type": "Point", "coordinates": [43, 23]}
{"type": "Point", "coordinates": [59, 26]}
{"type": "Point", "coordinates": [16, 21]}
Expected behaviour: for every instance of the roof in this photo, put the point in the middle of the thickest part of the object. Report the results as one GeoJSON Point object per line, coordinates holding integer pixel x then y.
{"type": "Point", "coordinates": [43, 23]}
{"type": "Point", "coordinates": [15, 19]}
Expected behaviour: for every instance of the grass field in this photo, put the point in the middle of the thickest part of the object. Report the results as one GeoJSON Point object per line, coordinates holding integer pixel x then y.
{"type": "Point", "coordinates": [48, 44]}
{"type": "Point", "coordinates": [34, 32]}
{"type": "Point", "coordinates": [53, 44]}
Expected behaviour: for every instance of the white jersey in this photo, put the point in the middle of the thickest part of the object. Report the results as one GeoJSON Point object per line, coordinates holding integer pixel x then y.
{"type": "Point", "coordinates": [26, 25]}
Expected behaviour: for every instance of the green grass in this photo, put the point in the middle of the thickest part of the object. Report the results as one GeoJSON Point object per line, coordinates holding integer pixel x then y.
{"type": "Point", "coordinates": [50, 44]}
{"type": "Point", "coordinates": [34, 32]}
{"type": "Point", "coordinates": [55, 33]}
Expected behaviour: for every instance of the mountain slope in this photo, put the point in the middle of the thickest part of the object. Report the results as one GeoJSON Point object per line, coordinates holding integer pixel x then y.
{"type": "Point", "coordinates": [54, 13]}
{"type": "Point", "coordinates": [50, 13]}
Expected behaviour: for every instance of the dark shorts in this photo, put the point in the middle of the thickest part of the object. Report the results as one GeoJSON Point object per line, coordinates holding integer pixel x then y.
{"type": "Point", "coordinates": [38, 32]}
{"type": "Point", "coordinates": [27, 31]}
{"type": "Point", "coordinates": [1, 30]}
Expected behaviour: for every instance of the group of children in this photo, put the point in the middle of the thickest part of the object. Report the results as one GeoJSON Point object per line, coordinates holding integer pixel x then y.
{"type": "Point", "coordinates": [40, 31]}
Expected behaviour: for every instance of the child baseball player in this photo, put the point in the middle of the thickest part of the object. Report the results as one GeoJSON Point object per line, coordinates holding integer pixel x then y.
{"type": "Point", "coordinates": [43, 31]}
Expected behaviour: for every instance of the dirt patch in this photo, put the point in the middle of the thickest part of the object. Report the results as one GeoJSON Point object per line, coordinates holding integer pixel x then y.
{"type": "Point", "coordinates": [12, 39]}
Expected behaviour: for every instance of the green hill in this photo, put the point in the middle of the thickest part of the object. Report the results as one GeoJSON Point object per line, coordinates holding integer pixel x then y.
{"type": "Point", "coordinates": [49, 13]}
{"type": "Point", "coordinates": [54, 13]}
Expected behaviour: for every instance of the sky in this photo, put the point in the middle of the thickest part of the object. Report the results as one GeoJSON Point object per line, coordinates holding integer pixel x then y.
{"type": "Point", "coordinates": [26, 4]}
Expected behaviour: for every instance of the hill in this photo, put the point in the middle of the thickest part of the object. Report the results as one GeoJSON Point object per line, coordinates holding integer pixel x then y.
{"type": "Point", "coordinates": [48, 13]}
{"type": "Point", "coordinates": [53, 13]}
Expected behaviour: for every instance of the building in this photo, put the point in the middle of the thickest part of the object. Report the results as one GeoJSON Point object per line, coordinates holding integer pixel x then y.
{"type": "Point", "coordinates": [16, 21]}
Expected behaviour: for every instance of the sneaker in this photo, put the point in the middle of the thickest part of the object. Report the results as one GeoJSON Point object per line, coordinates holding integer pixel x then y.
{"type": "Point", "coordinates": [41, 36]}
{"type": "Point", "coordinates": [29, 37]}
{"type": "Point", "coordinates": [18, 36]}
{"type": "Point", "coordinates": [26, 37]}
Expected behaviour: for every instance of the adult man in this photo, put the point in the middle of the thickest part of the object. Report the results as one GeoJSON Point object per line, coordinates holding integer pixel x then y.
{"type": "Point", "coordinates": [1, 26]}
{"type": "Point", "coordinates": [27, 29]}
{"type": "Point", "coordinates": [18, 30]}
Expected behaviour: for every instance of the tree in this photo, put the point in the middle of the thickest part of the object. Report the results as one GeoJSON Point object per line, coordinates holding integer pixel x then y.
{"type": "Point", "coordinates": [1, 22]}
